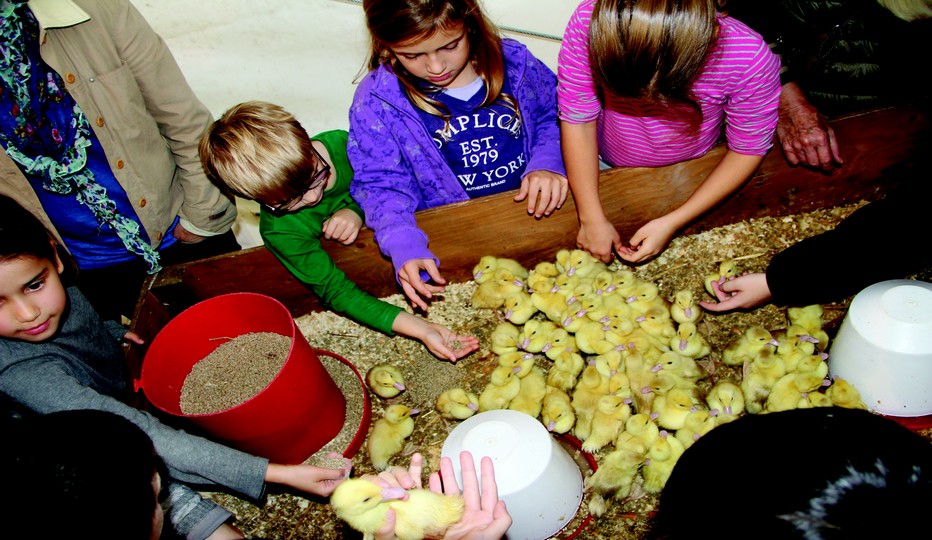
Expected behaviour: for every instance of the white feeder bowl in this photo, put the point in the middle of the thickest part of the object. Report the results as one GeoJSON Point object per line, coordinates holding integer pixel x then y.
{"type": "Point", "coordinates": [539, 481]}
{"type": "Point", "coordinates": [884, 347]}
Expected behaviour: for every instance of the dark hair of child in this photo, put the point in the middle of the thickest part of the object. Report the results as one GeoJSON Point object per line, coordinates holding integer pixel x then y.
{"type": "Point", "coordinates": [23, 235]}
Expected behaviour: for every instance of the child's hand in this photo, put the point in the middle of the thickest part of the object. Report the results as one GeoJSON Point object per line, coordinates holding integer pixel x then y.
{"type": "Point", "coordinates": [545, 192]}
{"type": "Point", "coordinates": [743, 292]}
{"type": "Point", "coordinates": [134, 338]}
{"type": "Point", "coordinates": [308, 478]}
{"type": "Point", "coordinates": [412, 284]}
{"type": "Point", "coordinates": [648, 241]}
{"type": "Point", "coordinates": [343, 226]}
{"type": "Point", "coordinates": [599, 239]}
{"type": "Point", "coordinates": [397, 477]}
{"type": "Point", "coordinates": [444, 343]}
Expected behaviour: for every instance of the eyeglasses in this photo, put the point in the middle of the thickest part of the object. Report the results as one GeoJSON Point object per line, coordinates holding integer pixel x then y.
{"type": "Point", "coordinates": [316, 180]}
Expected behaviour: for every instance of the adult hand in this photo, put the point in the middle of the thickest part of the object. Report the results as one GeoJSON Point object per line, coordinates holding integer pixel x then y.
{"type": "Point", "coordinates": [343, 226]}
{"type": "Point", "coordinates": [599, 239]}
{"type": "Point", "coordinates": [485, 517]}
{"type": "Point", "coordinates": [414, 287]}
{"type": "Point", "coordinates": [184, 236]}
{"type": "Point", "coordinates": [805, 135]}
{"type": "Point", "coordinates": [743, 292]}
{"type": "Point", "coordinates": [648, 241]}
{"type": "Point", "coordinates": [545, 192]}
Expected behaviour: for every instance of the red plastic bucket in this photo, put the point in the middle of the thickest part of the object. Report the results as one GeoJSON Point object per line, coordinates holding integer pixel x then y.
{"type": "Point", "coordinates": [300, 411]}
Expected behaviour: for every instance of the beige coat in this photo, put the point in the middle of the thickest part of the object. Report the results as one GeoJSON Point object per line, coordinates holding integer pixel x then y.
{"type": "Point", "coordinates": [142, 110]}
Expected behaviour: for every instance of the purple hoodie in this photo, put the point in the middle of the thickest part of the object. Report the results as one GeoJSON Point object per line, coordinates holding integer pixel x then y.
{"type": "Point", "coordinates": [397, 168]}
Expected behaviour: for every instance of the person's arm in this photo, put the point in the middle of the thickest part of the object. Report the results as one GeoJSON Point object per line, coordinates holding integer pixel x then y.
{"type": "Point", "coordinates": [730, 173]}
{"type": "Point", "coordinates": [181, 119]}
{"type": "Point", "coordinates": [596, 233]}
{"type": "Point", "coordinates": [439, 340]}
{"type": "Point", "coordinates": [387, 191]}
{"type": "Point", "coordinates": [741, 293]}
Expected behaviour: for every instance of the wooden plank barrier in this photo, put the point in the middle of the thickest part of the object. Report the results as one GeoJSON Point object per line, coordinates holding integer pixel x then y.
{"type": "Point", "coordinates": [874, 144]}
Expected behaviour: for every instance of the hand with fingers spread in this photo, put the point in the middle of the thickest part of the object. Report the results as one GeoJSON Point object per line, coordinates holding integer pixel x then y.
{"type": "Point", "coordinates": [414, 282]}
{"type": "Point", "coordinates": [486, 517]}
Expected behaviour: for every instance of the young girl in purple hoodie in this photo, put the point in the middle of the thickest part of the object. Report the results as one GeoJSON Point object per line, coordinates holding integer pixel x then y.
{"type": "Point", "coordinates": [449, 111]}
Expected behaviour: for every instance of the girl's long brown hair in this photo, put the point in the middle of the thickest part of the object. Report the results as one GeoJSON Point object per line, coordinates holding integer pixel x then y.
{"type": "Point", "coordinates": [399, 22]}
{"type": "Point", "coordinates": [651, 51]}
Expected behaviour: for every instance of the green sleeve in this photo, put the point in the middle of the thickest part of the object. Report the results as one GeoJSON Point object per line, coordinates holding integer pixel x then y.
{"type": "Point", "coordinates": [295, 240]}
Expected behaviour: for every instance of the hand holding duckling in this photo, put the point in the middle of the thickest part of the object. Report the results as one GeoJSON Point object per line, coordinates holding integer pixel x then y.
{"type": "Point", "coordinates": [743, 292]}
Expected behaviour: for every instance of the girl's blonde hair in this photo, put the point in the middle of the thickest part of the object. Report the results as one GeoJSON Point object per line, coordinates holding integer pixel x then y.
{"type": "Point", "coordinates": [651, 51]}
{"type": "Point", "coordinates": [400, 22]}
{"type": "Point", "coordinates": [908, 10]}
{"type": "Point", "coordinates": [259, 151]}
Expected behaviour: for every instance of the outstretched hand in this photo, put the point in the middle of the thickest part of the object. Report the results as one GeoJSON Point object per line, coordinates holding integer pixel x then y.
{"type": "Point", "coordinates": [485, 516]}
{"type": "Point", "coordinates": [415, 287]}
{"type": "Point", "coordinates": [545, 192]}
{"type": "Point", "coordinates": [444, 343]}
{"type": "Point", "coordinates": [805, 135]}
{"type": "Point", "coordinates": [308, 478]}
{"type": "Point", "coordinates": [743, 292]}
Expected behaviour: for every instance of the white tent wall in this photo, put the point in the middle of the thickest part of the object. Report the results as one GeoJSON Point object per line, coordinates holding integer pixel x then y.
{"type": "Point", "coordinates": [304, 54]}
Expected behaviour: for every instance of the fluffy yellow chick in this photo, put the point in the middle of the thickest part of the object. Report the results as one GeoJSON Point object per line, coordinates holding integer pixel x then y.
{"type": "Point", "coordinates": [640, 432]}
{"type": "Point", "coordinates": [815, 399]}
{"type": "Point", "coordinates": [488, 264]}
{"type": "Point", "coordinates": [677, 365]}
{"type": "Point", "coordinates": [492, 293]}
{"type": "Point", "coordinates": [502, 387]}
{"type": "Point", "coordinates": [557, 413]}
{"type": "Point", "coordinates": [726, 270]}
{"type": "Point", "coordinates": [760, 375]}
{"type": "Point", "coordinates": [810, 318]}
{"type": "Point", "coordinates": [646, 295]}
{"type": "Point", "coordinates": [541, 278]}
{"type": "Point", "coordinates": [657, 322]}
{"type": "Point", "coordinates": [685, 308]}
{"type": "Point", "coordinates": [812, 364]}
{"type": "Point", "coordinates": [578, 262]}
{"type": "Point", "coordinates": [565, 370]}
{"type": "Point", "coordinates": [590, 338]}
{"type": "Point", "coordinates": [673, 407]}
{"type": "Point", "coordinates": [389, 433]}
{"type": "Point", "coordinates": [457, 404]}
{"type": "Point", "coordinates": [385, 380]}
{"type": "Point", "coordinates": [747, 345]}
{"type": "Point", "coordinates": [844, 394]}
{"type": "Point", "coordinates": [363, 505]}
{"type": "Point", "coordinates": [534, 335]}
{"type": "Point", "coordinates": [613, 479]}
{"type": "Point", "coordinates": [787, 392]}
{"type": "Point", "coordinates": [608, 363]}
{"type": "Point", "coordinates": [726, 400]}
{"type": "Point", "coordinates": [619, 385]}
{"type": "Point", "coordinates": [519, 361]}
{"type": "Point", "coordinates": [697, 424]}
{"type": "Point", "coordinates": [557, 342]}
{"type": "Point", "coordinates": [505, 338]}
{"type": "Point", "coordinates": [518, 307]}
{"type": "Point", "coordinates": [530, 397]}
{"type": "Point", "coordinates": [625, 281]}
{"type": "Point", "coordinates": [590, 387]}
{"type": "Point", "coordinates": [640, 376]}
{"type": "Point", "coordinates": [689, 342]}
{"type": "Point", "coordinates": [611, 412]}
{"type": "Point", "coordinates": [661, 458]}
{"type": "Point", "coordinates": [575, 315]}
{"type": "Point", "coordinates": [551, 303]}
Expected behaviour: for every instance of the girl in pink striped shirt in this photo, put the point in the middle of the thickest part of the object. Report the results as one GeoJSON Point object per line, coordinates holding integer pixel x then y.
{"type": "Point", "coordinates": [647, 83]}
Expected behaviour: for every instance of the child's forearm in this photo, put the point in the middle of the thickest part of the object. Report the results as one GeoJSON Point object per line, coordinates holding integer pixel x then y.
{"type": "Point", "coordinates": [581, 157]}
{"type": "Point", "coordinates": [411, 326]}
{"type": "Point", "coordinates": [730, 174]}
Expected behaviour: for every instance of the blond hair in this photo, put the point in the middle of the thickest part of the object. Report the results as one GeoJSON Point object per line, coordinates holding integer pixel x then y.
{"type": "Point", "coordinates": [908, 10]}
{"type": "Point", "coordinates": [400, 22]}
{"type": "Point", "coordinates": [651, 50]}
{"type": "Point", "coordinates": [259, 151]}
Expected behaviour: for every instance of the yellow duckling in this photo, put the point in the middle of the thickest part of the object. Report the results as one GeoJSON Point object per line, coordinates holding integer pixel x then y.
{"type": "Point", "coordinates": [614, 479]}
{"type": "Point", "coordinates": [677, 365]}
{"type": "Point", "coordinates": [640, 376]}
{"type": "Point", "coordinates": [689, 342]}
{"type": "Point", "coordinates": [611, 412]}
{"type": "Point", "coordinates": [725, 400]}
{"type": "Point", "coordinates": [590, 387]}
{"type": "Point", "coordinates": [661, 458]}
{"type": "Point", "coordinates": [619, 385]}
{"type": "Point", "coordinates": [531, 391]}
{"type": "Point", "coordinates": [457, 404]}
{"type": "Point", "coordinates": [812, 364]}
{"type": "Point", "coordinates": [657, 322]}
{"type": "Point", "coordinates": [534, 335]}
{"type": "Point", "coordinates": [844, 394]}
{"type": "Point", "coordinates": [696, 424]}
{"type": "Point", "coordinates": [578, 262]}
{"type": "Point", "coordinates": [746, 346]}
{"type": "Point", "coordinates": [385, 380]}
{"type": "Point", "coordinates": [557, 413]}
{"type": "Point", "coordinates": [590, 338]}
{"type": "Point", "coordinates": [488, 264]}
{"type": "Point", "coordinates": [363, 505]}
{"type": "Point", "coordinates": [492, 293]}
{"type": "Point", "coordinates": [389, 433]}
{"type": "Point", "coordinates": [810, 318]}
{"type": "Point", "coordinates": [519, 361]}
{"type": "Point", "coordinates": [626, 282]}
{"type": "Point", "coordinates": [760, 376]}
{"type": "Point", "coordinates": [673, 407]}
{"type": "Point", "coordinates": [565, 370]}
{"type": "Point", "coordinates": [575, 315]}
{"type": "Point", "coordinates": [502, 387]}
{"type": "Point", "coordinates": [788, 391]}
{"type": "Point", "coordinates": [518, 307]}
{"type": "Point", "coordinates": [542, 277]}
{"type": "Point", "coordinates": [640, 432]}
{"type": "Point", "coordinates": [685, 308]}
{"type": "Point", "coordinates": [646, 295]}
{"type": "Point", "coordinates": [558, 341]}
{"type": "Point", "coordinates": [551, 303]}
{"type": "Point", "coordinates": [726, 270]}
{"type": "Point", "coordinates": [505, 338]}
{"type": "Point", "coordinates": [814, 399]}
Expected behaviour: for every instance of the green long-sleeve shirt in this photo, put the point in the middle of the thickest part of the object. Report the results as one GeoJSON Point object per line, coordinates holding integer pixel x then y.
{"type": "Point", "coordinates": [294, 239]}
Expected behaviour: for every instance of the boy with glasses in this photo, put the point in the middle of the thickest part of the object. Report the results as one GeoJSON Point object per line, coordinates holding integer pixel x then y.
{"type": "Point", "coordinates": [261, 152]}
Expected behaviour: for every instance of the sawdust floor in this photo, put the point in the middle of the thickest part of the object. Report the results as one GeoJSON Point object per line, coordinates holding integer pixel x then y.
{"type": "Point", "coordinates": [682, 266]}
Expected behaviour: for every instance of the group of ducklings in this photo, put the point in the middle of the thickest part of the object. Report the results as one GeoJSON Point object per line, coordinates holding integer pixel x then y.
{"type": "Point", "coordinates": [600, 354]}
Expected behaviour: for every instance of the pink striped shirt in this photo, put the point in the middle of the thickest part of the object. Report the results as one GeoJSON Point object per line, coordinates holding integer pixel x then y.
{"type": "Point", "coordinates": [738, 87]}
